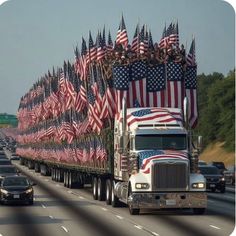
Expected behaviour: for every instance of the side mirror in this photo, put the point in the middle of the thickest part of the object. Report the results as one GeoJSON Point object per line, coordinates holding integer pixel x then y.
{"type": "Point", "coordinates": [199, 143]}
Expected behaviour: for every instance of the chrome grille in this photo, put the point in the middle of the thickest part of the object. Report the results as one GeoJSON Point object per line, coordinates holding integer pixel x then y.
{"type": "Point", "coordinates": [172, 176]}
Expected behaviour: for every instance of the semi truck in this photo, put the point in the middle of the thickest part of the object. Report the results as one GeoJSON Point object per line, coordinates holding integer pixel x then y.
{"type": "Point", "coordinates": [121, 120]}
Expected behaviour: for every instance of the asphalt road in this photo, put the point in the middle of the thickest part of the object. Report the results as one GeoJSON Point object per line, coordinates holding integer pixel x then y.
{"type": "Point", "coordinates": [61, 211]}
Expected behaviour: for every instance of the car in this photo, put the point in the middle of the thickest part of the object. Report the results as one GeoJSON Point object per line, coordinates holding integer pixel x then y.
{"type": "Point", "coordinates": [214, 179]}
{"type": "Point", "coordinates": [16, 189]}
{"type": "Point", "coordinates": [219, 164]}
{"type": "Point", "coordinates": [14, 157]}
{"type": "Point", "coordinates": [229, 175]}
{"type": "Point", "coordinates": [2, 157]}
{"type": "Point", "coordinates": [8, 170]}
{"type": "Point", "coordinates": [201, 163]}
{"type": "Point", "coordinates": [5, 162]}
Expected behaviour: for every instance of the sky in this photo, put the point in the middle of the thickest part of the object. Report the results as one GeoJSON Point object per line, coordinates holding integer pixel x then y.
{"type": "Point", "coordinates": [36, 35]}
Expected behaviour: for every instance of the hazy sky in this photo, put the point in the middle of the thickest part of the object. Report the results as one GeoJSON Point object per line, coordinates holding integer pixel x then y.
{"type": "Point", "coordinates": [36, 35]}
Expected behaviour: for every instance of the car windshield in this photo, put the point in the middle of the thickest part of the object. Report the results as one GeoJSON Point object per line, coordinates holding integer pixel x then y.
{"type": "Point", "coordinates": [209, 170]}
{"type": "Point", "coordinates": [10, 169]}
{"type": "Point", "coordinates": [219, 165]}
{"type": "Point", "coordinates": [15, 182]}
{"type": "Point", "coordinates": [163, 142]}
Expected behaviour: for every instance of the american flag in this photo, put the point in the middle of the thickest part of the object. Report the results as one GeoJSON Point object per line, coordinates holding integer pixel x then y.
{"type": "Point", "coordinates": [191, 94]}
{"type": "Point", "coordinates": [150, 41]}
{"type": "Point", "coordinates": [109, 42]}
{"type": "Point", "coordinates": [100, 47]}
{"type": "Point", "coordinates": [156, 85]}
{"type": "Point", "coordinates": [94, 118]}
{"type": "Point", "coordinates": [163, 42]}
{"type": "Point", "coordinates": [92, 50]}
{"type": "Point", "coordinates": [137, 84]}
{"type": "Point", "coordinates": [146, 157]}
{"type": "Point", "coordinates": [135, 42]}
{"type": "Point", "coordinates": [175, 85]}
{"type": "Point", "coordinates": [191, 57]}
{"type": "Point", "coordinates": [83, 60]}
{"type": "Point", "coordinates": [121, 75]}
{"type": "Point", "coordinates": [173, 37]}
{"type": "Point", "coordinates": [143, 41]}
{"type": "Point", "coordinates": [160, 115]}
{"type": "Point", "coordinates": [122, 37]}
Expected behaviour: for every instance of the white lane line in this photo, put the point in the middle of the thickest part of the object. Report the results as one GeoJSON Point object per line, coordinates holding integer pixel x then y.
{"type": "Point", "coordinates": [104, 209]}
{"type": "Point", "coordinates": [210, 200]}
{"type": "Point", "coordinates": [51, 217]}
{"type": "Point", "coordinates": [69, 191]}
{"type": "Point", "coordinates": [64, 228]}
{"type": "Point", "coordinates": [1, 235]}
{"type": "Point", "coordinates": [154, 233]}
{"type": "Point", "coordinates": [81, 197]}
{"type": "Point", "coordinates": [138, 226]}
{"type": "Point", "coordinates": [46, 180]}
{"type": "Point", "coordinates": [213, 226]}
{"type": "Point", "coordinates": [57, 185]}
{"type": "Point", "coordinates": [120, 217]}
{"type": "Point", "coordinates": [43, 206]}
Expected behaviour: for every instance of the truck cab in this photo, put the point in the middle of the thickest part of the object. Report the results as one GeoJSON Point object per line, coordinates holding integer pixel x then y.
{"type": "Point", "coordinates": [153, 166]}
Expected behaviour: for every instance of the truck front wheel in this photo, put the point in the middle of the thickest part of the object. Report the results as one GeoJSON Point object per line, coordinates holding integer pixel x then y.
{"type": "Point", "coordinates": [132, 211]}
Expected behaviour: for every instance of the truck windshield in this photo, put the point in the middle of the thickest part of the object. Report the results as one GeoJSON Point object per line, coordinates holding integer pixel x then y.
{"type": "Point", "coordinates": [160, 142]}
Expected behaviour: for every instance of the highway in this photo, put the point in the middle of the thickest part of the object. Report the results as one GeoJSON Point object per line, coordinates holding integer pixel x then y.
{"type": "Point", "coordinates": [61, 211]}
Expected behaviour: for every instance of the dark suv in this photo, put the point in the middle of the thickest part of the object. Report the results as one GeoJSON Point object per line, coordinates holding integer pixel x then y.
{"type": "Point", "coordinates": [214, 179]}
{"type": "Point", "coordinates": [220, 165]}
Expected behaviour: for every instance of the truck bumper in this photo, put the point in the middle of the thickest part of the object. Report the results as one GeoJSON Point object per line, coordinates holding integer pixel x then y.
{"type": "Point", "coordinates": [168, 200]}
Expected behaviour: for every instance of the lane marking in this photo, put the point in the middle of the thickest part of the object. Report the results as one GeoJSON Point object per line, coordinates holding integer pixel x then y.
{"type": "Point", "coordinates": [120, 217]}
{"type": "Point", "coordinates": [43, 206]}
{"type": "Point", "coordinates": [58, 185]}
{"type": "Point", "coordinates": [104, 209]}
{"type": "Point", "coordinates": [154, 233]}
{"type": "Point", "coordinates": [138, 226]}
{"type": "Point", "coordinates": [46, 180]}
{"type": "Point", "coordinates": [69, 191]}
{"type": "Point", "coordinates": [64, 228]}
{"type": "Point", "coordinates": [51, 217]}
{"type": "Point", "coordinates": [213, 226]}
{"type": "Point", "coordinates": [81, 197]}
{"type": "Point", "coordinates": [210, 200]}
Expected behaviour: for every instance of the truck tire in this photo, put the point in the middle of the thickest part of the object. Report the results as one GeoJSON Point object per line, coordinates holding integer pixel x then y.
{"type": "Point", "coordinates": [132, 211]}
{"type": "Point", "coordinates": [108, 192]}
{"type": "Point", "coordinates": [199, 211]}
{"type": "Point", "coordinates": [66, 179]}
{"type": "Point", "coordinates": [95, 188]}
{"type": "Point", "coordinates": [222, 190]}
{"type": "Point", "coordinates": [114, 199]}
{"type": "Point", "coordinates": [70, 183]}
{"type": "Point", "coordinates": [101, 189]}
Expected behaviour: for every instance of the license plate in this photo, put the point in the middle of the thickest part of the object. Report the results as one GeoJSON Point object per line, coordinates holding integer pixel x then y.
{"type": "Point", "coordinates": [212, 185]}
{"type": "Point", "coordinates": [170, 202]}
{"type": "Point", "coordinates": [16, 196]}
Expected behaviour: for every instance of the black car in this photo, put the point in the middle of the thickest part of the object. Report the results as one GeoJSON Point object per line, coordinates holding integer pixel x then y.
{"type": "Point", "coordinates": [4, 162]}
{"type": "Point", "coordinates": [219, 164]}
{"type": "Point", "coordinates": [229, 175]}
{"type": "Point", "coordinates": [3, 157]}
{"type": "Point", "coordinates": [214, 179]}
{"type": "Point", "coordinates": [14, 157]}
{"type": "Point", "coordinates": [16, 189]}
{"type": "Point", "coordinates": [8, 170]}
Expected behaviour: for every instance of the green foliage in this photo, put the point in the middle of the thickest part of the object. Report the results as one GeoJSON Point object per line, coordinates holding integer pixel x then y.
{"type": "Point", "coordinates": [216, 98]}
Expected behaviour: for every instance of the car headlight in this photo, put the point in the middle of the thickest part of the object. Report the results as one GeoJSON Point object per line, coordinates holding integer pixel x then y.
{"type": "Point", "coordinates": [4, 191]}
{"type": "Point", "coordinates": [198, 185]}
{"type": "Point", "coordinates": [222, 179]}
{"type": "Point", "coordinates": [142, 186]}
{"type": "Point", "coordinates": [29, 190]}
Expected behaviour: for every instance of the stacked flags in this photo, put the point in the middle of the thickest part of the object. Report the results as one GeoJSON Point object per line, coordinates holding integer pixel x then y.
{"type": "Point", "coordinates": [84, 97]}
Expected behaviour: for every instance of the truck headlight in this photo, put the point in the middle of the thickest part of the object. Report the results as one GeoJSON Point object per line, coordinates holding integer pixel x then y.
{"type": "Point", "coordinates": [142, 186]}
{"type": "Point", "coordinates": [29, 190]}
{"type": "Point", "coordinates": [198, 185]}
{"type": "Point", "coordinates": [4, 191]}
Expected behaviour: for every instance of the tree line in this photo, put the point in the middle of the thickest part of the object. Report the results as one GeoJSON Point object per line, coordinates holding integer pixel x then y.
{"type": "Point", "coordinates": [216, 104]}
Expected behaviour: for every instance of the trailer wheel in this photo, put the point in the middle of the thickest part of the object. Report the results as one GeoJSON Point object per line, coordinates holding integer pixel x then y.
{"type": "Point", "coordinates": [70, 184]}
{"type": "Point", "coordinates": [199, 211]}
{"type": "Point", "coordinates": [114, 199]}
{"type": "Point", "coordinates": [65, 178]}
{"type": "Point", "coordinates": [108, 192]}
{"type": "Point", "coordinates": [101, 189]}
{"type": "Point", "coordinates": [95, 188]}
